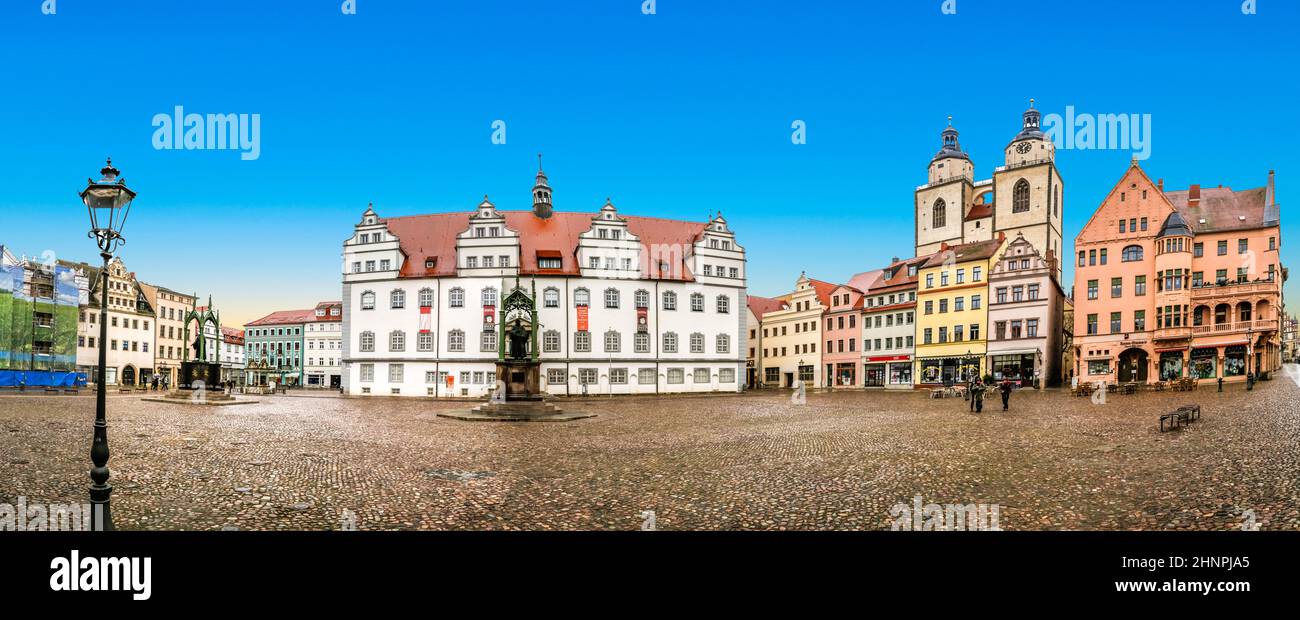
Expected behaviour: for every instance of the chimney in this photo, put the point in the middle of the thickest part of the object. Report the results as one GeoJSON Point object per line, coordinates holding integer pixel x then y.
{"type": "Point", "coordinates": [1268, 191]}
{"type": "Point", "coordinates": [1160, 185]}
{"type": "Point", "coordinates": [1194, 195]}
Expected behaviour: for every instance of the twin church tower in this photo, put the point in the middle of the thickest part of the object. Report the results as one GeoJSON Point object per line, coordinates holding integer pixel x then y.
{"type": "Point", "coordinates": [1023, 197]}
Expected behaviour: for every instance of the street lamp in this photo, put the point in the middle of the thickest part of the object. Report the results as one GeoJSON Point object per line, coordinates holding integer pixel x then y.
{"type": "Point", "coordinates": [108, 202]}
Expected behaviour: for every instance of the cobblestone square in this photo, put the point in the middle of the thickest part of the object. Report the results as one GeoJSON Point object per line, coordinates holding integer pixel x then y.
{"type": "Point", "coordinates": [753, 461]}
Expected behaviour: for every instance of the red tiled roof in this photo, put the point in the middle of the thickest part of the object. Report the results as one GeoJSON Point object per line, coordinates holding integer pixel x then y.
{"type": "Point", "coordinates": [434, 236]}
{"type": "Point", "coordinates": [328, 318]}
{"type": "Point", "coordinates": [232, 335]}
{"type": "Point", "coordinates": [285, 317]}
{"type": "Point", "coordinates": [979, 211]}
{"type": "Point", "coordinates": [977, 250]}
{"type": "Point", "coordinates": [763, 305]}
{"type": "Point", "coordinates": [823, 291]}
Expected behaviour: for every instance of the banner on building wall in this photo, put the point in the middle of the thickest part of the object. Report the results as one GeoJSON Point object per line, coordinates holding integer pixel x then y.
{"type": "Point", "coordinates": [582, 318]}
{"type": "Point", "coordinates": [642, 320]}
{"type": "Point", "coordinates": [489, 316]}
{"type": "Point", "coordinates": [426, 320]}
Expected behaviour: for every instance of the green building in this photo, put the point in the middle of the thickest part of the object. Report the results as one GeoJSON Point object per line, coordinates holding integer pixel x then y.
{"type": "Point", "coordinates": [38, 320]}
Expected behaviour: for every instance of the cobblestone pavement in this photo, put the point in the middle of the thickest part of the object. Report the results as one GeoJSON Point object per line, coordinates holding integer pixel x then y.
{"type": "Point", "coordinates": [729, 462]}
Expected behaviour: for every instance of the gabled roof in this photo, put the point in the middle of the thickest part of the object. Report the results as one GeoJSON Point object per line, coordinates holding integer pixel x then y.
{"type": "Point", "coordinates": [899, 277]}
{"type": "Point", "coordinates": [979, 212]}
{"type": "Point", "coordinates": [232, 335]}
{"type": "Point", "coordinates": [423, 237]}
{"type": "Point", "coordinates": [763, 305]}
{"type": "Point", "coordinates": [823, 290]}
{"type": "Point", "coordinates": [862, 282]}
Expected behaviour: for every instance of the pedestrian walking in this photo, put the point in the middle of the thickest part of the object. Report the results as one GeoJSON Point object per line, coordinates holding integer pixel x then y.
{"type": "Point", "coordinates": [977, 396]}
{"type": "Point", "coordinates": [1005, 388]}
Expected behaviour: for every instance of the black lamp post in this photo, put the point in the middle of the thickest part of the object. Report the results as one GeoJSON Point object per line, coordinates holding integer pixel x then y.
{"type": "Point", "coordinates": [108, 202]}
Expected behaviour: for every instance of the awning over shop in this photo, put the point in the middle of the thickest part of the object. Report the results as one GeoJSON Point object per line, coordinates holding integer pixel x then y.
{"type": "Point", "coordinates": [1014, 352]}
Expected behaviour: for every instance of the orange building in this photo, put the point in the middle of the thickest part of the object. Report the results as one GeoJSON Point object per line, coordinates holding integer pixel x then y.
{"type": "Point", "coordinates": [1178, 284]}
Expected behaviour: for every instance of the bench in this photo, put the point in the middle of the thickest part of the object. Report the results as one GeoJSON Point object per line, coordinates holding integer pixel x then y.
{"type": "Point", "coordinates": [1180, 417]}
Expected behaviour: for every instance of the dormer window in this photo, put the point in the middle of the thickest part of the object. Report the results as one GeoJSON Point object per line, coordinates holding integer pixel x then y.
{"type": "Point", "coordinates": [430, 263]}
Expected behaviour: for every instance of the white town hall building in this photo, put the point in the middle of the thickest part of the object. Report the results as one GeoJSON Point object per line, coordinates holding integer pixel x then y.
{"type": "Point", "coordinates": [626, 304]}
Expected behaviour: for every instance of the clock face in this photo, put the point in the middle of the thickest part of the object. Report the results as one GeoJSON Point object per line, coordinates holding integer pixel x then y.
{"type": "Point", "coordinates": [1023, 147]}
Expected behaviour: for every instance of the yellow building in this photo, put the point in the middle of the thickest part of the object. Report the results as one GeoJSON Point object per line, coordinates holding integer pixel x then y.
{"type": "Point", "coordinates": [791, 334]}
{"type": "Point", "coordinates": [952, 312]}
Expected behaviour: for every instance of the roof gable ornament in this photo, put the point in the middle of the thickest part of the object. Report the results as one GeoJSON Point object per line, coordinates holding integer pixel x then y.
{"type": "Point", "coordinates": [370, 217]}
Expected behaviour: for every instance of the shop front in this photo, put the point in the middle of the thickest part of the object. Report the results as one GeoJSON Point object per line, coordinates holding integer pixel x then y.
{"type": "Point", "coordinates": [1171, 364]}
{"type": "Point", "coordinates": [1203, 363]}
{"type": "Point", "coordinates": [949, 370]}
{"type": "Point", "coordinates": [1018, 366]}
{"type": "Point", "coordinates": [1234, 361]}
{"type": "Point", "coordinates": [889, 371]}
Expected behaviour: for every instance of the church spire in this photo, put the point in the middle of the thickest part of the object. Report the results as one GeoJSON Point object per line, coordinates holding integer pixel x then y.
{"type": "Point", "coordinates": [541, 193]}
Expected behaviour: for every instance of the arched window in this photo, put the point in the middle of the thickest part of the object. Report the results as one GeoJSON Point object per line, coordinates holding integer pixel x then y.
{"type": "Point", "coordinates": [670, 342]}
{"type": "Point", "coordinates": [490, 296]}
{"type": "Point", "coordinates": [697, 343]}
{"type": "Point", "coordinates": [456, 341]}
{"type": "Point", "coordinates": [456, 297]}
{"type": "Point", "coordinates": [1020, 197]}
{"type": "Point", "coordinates": [582, 342]}
{"type": "Point", "coordinates": [940, 214]}
{"type": "Point", "coordinates": [367, 342]}
{"type": "Point", "coordinates": [551, 297]}
{"type": "Point", "coordinates": [670, 300]}
{"type": "Point", "coordinates": [611, 298]}
{"type": "Point", "coordinates": [1131, 253]}
{"type": "Point", "coordinates": [368, 300]}
{"type": "Point", "coordinates": [642, 298]}
{"type": "Point", "coordinates": [613, 342]}
{"type": "Point", "coordinates": [551, 342]}
{"type": "Point", "coordinates": [581, 297]}
{"type": "Point", "coordinates": [426, 298]}
{"type": "Point", "coordinates": [724, 343]}
{"type": "Point", "coordinates": [397, 341]}
{"type": "Point", "coordinates": [724, 304]}
{"type": "Point", "coordinates": [641, 342]}
{"type": "Point", "coordinates": [397, 299]}
{"type": "Point", "coordinates": [424, 341]}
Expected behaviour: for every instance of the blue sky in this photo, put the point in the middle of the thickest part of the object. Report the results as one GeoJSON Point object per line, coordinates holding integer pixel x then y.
{"type": "Point", "coordinates": [675, 114]}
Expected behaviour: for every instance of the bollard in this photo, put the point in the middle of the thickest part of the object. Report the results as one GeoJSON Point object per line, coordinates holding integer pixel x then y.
{"type": "Point", "coordinates": [1220, 384]}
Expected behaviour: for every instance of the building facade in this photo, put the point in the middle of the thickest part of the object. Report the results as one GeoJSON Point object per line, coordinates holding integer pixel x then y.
{"type": "Point", "coordinates": [755, 308]}
{"type": "Point", "coordinates": [131, 336]}
{"type": "Point", "coordinates": [952, 323]}
{"type": "Point", "coordinates": [1024, 304]}
{"type": "Point", "coordinates": [1179, 284]}
{"type": "Point", "coordinates": [232, 355]}
{"type": "Point", "coordinates": [792, 336]}
{"type": "Point", "coordinates": [273, 348]}
{"type": "Point", "coordinates": [171, 308]}
{"type": "Point", "coordinates": [1290, 354]}
{"type": "Point", "coordinates": [842, 335]}
{"type": "Point", "coordinates": [626, 304]}
{"type": "Point", "coordinates": [889, 326]}
{"type": "Point", "coordinates": [323, 339]}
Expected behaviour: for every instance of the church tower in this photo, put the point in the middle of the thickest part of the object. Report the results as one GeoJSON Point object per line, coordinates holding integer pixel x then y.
{"type": "Point", "coordinates": [541, 193]}
{"type": "Point", "coordinates": [1027, 190]}
{"type": "Point", "coordinates": [941, 204]}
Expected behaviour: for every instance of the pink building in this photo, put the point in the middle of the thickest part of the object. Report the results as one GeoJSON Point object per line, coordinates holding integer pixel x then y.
{"type": "Point", "coordinates": [842, 356]}
{"type": "Point", "coordinates": [1178, 284]}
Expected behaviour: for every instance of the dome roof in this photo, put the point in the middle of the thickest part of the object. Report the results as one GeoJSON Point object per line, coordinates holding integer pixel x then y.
{"type": "Point", "coordinates": [951, 148]}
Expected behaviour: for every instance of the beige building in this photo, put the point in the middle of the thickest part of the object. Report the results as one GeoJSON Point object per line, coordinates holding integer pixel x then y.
{"type": "Point", "coordinates": [171, 308]}
{"type": "Point", "coordinates": [790, 336]}
{"type": "Point", "coordinates": [1022, 198]}
{"type": "Point", "coordinates": [755, 308]}
{"type": "Point", "coordinates": [1024, 304]}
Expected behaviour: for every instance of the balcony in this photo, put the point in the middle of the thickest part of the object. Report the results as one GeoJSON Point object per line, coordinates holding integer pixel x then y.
{"type": "Point", "coordinates": [1233, 289]}
{"type": "Point", "coordinates": [1262, 325]}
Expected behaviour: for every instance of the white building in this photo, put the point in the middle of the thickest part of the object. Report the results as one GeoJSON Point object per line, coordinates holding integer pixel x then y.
{"type": "Point", "coordinates": [626, 304]}
{"type": "Point", "coordinates": [232, 354]}
{"type": "Point", "coordinates": [889, 326]}
{"type": "Point", "coordinates": [130, 327]}
{"type": "Point", "coordinates": [323, 346]}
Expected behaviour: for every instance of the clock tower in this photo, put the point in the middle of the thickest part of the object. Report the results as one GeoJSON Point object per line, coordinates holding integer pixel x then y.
{"type": "Point", "coordinates": [1027, 190]}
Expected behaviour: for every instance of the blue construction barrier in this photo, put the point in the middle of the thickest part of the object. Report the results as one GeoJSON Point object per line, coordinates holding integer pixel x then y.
{"type": "Point", "coordinates": [42, 378]}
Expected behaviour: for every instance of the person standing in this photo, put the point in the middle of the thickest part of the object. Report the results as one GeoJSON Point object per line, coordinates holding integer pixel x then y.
{"type": "Point", "coordinates": [977, 396]}
{"type": "Point", "coordinates": [1005, 388]}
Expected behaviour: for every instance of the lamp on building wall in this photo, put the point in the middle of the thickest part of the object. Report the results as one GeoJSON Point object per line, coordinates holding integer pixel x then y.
{"type": "Point", "coordinates": [108, 203]}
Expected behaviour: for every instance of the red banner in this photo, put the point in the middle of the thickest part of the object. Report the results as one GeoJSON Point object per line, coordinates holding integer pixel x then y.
{"type": "Point", "coordinates": [426, 320]}
{"type": "Point", "coordinates": [489, 314]}
{"type": "Point", "coordinates": [642, 320]}
{"type": "Point", "coordinates": [582, 318]}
